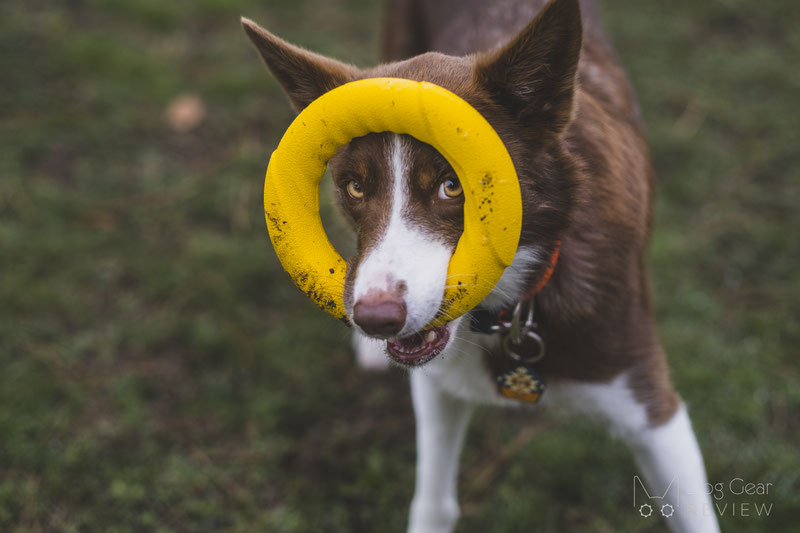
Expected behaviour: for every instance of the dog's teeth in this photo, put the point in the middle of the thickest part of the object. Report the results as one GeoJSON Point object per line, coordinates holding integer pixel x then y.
{"type": "Point", "coordinates": [391, 339]}
{"type": "Point", "coordinates": [431, 336]}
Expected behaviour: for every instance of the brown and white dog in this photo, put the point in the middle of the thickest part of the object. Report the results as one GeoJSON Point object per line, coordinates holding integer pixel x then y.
{"type": "Point", "coordinates": [556, 95]}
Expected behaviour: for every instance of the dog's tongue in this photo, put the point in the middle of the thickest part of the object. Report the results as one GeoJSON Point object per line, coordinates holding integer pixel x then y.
{"type": "Point", "coordinates": [420, 348]}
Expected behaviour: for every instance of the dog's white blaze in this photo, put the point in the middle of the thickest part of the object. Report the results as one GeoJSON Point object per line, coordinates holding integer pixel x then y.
{"type": "Point", "coordinates": [405, 254]}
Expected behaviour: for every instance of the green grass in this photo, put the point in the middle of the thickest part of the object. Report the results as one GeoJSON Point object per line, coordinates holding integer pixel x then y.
{"type": "Point", "coordinates": [159, 372]}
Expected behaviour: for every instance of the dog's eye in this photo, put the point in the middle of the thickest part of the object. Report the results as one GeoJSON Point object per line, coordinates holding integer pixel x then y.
{"type": "Point", "coordinates": [354, 190]}
{"type": "Point", "coordinates": [450, 188]}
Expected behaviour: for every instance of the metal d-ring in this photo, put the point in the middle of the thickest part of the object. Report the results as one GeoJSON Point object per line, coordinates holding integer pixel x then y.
{"type": "Point", "coordinates": [515, 330]}
{"type": "Point", "coordinates": [509, 344]}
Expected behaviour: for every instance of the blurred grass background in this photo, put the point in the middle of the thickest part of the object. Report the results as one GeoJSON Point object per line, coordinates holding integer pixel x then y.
{"type": "Point", "coordinates": [159, 372]}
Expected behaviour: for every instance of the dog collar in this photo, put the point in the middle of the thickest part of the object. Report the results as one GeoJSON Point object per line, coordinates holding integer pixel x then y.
{"type": "Point", "coordinates": [488, 321]}
{"type": "Point", "coordinates": [523, 347]}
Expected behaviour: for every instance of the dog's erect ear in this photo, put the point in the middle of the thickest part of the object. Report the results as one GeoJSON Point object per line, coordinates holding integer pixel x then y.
{"type": "Point", "coordinates": [303, 75]}
{"type": "Point", "coordinates": [533, 76]}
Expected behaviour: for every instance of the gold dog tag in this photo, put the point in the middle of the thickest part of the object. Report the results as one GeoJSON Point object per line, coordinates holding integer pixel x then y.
{"type": "Point", "coordinates": [521, 383]}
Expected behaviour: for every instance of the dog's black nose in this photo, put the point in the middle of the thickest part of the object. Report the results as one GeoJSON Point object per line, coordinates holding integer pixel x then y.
{"type": "Point", "coordinates": [380, 313]}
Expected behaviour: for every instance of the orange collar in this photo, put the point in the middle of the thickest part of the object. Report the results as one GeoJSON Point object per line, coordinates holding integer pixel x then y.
{"type": "Point", "coordinates": [488, 322]}
{"type": "Point", "coordinates": [547, 273]}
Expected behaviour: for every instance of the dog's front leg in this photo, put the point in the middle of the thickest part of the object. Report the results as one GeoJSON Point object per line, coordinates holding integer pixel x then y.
{"type": "Point", "coordinates": [441, 424]}
{"type": "Point", "coordinates": [669, 459]}
{"type": "Point", "coordinates": [665, 451]}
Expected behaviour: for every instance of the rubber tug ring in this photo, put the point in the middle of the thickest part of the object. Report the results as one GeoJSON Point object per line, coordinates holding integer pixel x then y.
{"type": "Point", "coordinates": [429, 113]}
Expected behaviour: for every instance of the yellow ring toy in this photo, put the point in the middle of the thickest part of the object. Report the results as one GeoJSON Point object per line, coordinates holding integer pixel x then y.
{"type": "Point", "coordinates": [431, 114]}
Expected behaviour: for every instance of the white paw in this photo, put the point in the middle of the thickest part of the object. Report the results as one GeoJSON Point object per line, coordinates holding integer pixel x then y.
{"type": "Point", "coordinates": [370, 353]}
{"type": "Point", "coordinates": [426, 517]}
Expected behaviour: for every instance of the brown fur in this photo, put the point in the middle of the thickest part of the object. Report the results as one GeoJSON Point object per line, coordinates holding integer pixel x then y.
{"type": "Point", "coordinates": [572, 129]}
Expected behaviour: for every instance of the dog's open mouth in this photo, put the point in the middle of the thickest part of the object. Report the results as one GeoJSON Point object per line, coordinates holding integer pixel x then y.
{"type": "Point", "coordinates": [419, 348]}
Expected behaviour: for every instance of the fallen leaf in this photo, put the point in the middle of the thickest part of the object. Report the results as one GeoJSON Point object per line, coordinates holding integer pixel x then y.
{"type": "Point", "coordinates": [185, 112]}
